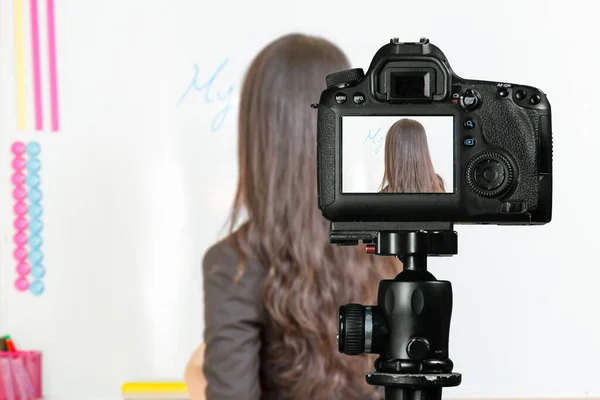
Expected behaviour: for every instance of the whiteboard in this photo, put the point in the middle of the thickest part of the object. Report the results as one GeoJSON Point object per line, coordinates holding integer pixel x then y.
{"type": "Point", "coordinates": [139, 178]}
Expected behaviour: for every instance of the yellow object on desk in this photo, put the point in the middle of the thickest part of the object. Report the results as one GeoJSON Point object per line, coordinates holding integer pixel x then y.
{"type": "Point", "coordinates": [154, 391]}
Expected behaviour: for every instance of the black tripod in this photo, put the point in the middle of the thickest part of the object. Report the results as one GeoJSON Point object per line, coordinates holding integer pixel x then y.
{"type": "Point", "coordinates": [410, 324]}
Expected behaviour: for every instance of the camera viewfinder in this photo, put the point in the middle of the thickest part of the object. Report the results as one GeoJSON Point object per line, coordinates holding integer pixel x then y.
{"type": "Point", "coordinates": [410, 85]}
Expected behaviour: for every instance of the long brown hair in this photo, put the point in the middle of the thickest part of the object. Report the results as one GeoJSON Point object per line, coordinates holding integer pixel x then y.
{"type": "Point", "coordinates": [408, 166]}
{"type": "Point", "coordinates": [307, 278]}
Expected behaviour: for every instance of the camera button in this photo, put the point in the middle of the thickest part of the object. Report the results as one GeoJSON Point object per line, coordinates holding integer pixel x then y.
{"type": "Point", "coordinates": [520, 94]}
{"type": "Point", "coordinates": [503, 92]}
{"type": "Point", "coordinates": [535, 99]}
{"type": "Point", "coordinates": [359, 98]}
{"type": "Point", "coordinates": [469, 124]}
{"type": "Point", "coordinates": [513, 207]}
{"type": "Point", "coordinates": [340, 98]}
{"type": "Point", "coordinates": [469, 100]}
{"type": "Point", "coordinates": [469, 141]}
{"type": "Point", "coordinates": [418, 348]}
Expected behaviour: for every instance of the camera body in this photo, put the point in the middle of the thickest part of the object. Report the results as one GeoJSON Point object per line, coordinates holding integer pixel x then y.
{"type": "Point", "coordinates": [498, 139]}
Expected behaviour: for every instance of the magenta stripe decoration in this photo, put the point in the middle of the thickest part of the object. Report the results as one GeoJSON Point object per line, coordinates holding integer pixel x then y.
{"type": "Point", "coordinates": [35, 58]}
{"type": "Point", "coordinates": [33, 88]}
{"type": "Point", "coordinates": [52, 65]}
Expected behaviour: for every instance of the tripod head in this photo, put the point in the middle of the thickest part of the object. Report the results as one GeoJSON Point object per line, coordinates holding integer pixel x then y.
{"type": "Point", "coordinates": [409, 326]}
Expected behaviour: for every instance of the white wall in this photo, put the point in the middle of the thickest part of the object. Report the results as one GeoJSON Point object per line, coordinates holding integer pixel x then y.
{"type": "Point", "coordinates": [138, 184]}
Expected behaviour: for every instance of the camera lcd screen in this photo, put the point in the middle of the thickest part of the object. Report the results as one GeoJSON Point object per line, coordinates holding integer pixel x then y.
{"type": "Point", "coordinates": [398, 154]}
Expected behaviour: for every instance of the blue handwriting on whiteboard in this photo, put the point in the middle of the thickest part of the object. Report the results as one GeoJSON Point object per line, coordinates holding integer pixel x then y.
{"type": "Point", "coordinates": [374, 138]}
{"type": "Point", "coordinates": [211, 94]}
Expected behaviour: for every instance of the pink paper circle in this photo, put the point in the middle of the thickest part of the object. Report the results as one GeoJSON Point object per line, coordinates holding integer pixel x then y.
{"type": "Point", "coordinates": [20, 238]}
{"type": "Point", "coordinates": [20, 208]}
{"type": "Point", "coordinates": [20, 193]}
{"type": "Point", "coordinates": [20, 253]}
{"type": "Point", "coordinates": [21, 284]}
{"type": "Point", "coordinates": [19, 163]}
{"type": "Point", "coordinates": [18, 148]}
{"type": "Point", "coordinates": [18, 178]}
{"type": "Point", "coordinates": [23, 268]}
{"type": "Point", "coordinates": [20, 224]}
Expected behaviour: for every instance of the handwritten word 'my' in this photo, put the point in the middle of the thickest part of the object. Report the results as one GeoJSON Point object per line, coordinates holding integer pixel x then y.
{"type": "Point", "coordinates": [375, 139]}
{"type": "Point", "coordinates": [211, 94]}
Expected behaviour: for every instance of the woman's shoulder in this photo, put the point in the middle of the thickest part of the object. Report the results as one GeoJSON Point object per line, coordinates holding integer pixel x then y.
{"type": "Point", "coordinates": [221, 252]}
{"type": "Point", "coordinates": [222, 261]}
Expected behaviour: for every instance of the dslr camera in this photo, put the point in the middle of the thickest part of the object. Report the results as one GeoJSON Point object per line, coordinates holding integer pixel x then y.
{"type": "Point", "coordinates": [410, 142]}
{"type": "Point", "coordinates": [404, 152]}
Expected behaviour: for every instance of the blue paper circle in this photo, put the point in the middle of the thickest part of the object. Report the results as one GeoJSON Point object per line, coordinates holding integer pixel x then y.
{"type": "Point", "coordinates": [35, 226]}
{"type": "Point", "coordinates": [34, 165]}
{"type": "Point", "coordinates": [33, 148]}
{"type": "Point", "coordinates": [35, 210]}
{"type": "Point", "coordinates": [35, 241]}
{"type": "Point", "coordinates": [35, 195]}
{"type": "Point", "coordinates": [36, 287]}
{"type": "Point", "coordinates": [35, 256]}
{"type": "Point", "coordinates": [38, 271]}
{"type": "Point", "coordinates": [32, 180]}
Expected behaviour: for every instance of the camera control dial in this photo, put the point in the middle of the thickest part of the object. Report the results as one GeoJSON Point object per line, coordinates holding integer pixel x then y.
{"type": "Point", "coordinates": [489, 174]}
{"type": "Point", "coordinates": [344, 78]}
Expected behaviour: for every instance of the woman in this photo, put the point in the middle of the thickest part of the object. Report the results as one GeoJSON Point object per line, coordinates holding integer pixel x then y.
{"type": "Point", "coordinates": [408, 166]}
{"type": "Point", "coordinates": [273, 286]}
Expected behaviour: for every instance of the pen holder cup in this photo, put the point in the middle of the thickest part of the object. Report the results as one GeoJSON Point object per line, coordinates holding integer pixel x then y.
{"type": "Point", "coordinates": [21, 375]}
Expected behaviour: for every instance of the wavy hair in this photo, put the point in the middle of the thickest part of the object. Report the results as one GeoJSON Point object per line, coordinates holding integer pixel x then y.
{"type": "Point", "coordinates": [408, 165]}
{"type": "Point", "coordinates": [307, 278]}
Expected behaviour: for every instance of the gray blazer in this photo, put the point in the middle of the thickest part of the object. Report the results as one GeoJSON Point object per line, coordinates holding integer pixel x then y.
{"type": "Point", "coordinates": [233, 319]}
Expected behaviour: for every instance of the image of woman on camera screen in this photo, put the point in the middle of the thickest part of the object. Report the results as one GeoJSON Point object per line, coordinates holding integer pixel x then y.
{"type": "Point", "coordinates": [408, 165]}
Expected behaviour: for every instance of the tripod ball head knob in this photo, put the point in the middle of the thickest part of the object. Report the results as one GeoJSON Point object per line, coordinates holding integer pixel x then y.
{"type": "Point", "coordinates": [351, 329]}
{"type": "Point", "coordinates": [361, 329]}
{"type": "Point", "coordinates": [418, 349]}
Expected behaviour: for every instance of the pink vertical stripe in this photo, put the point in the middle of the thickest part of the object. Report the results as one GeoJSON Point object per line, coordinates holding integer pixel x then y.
{"type": "Point", "coordinates": [52, 64]}
{"type": "Point", "coordinates": [37, 76]}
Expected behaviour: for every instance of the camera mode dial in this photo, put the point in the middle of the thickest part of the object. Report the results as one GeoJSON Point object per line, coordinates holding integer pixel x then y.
{"type": "Point", "coordinates": [489, 174]}
{"type": "Point", "coordinates": [344, 78]}
{"type": "Point", "coordinates": [469, 100]}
